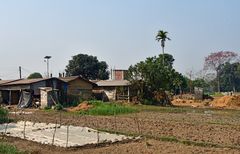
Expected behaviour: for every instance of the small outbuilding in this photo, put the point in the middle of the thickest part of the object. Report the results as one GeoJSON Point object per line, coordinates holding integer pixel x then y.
{"type": "Point", "coordinates": [79, 86]}
{"type": "Point", "coordinates": [112, 90]}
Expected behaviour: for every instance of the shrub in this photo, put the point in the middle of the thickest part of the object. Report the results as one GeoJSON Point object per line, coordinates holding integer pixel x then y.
{"type": "Point", "coordinates": [9, 149]}
{"type": "Point", "coordinates": [72, 101]}
{"type": "Point", "coordinates": [147, 102]}
{"type": "Point", "coordinates": [58, 107]}
{"type": "Point", "coordinates": [47, 108]}
{"type": "Point", "coordinates": [3, 115]}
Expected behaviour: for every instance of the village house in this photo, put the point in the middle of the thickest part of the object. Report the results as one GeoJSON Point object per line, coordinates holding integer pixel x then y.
{"type": "Point", "coordinates": [25, 91]}
{"type": "Point", "coordinates": [79, 86]}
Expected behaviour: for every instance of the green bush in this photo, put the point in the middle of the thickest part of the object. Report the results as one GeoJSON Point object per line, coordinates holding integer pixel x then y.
{"type": "Point", "coordinates": [147, 102]}
{"type": "Point", "coordinates": [217, 94]}
{"type": "Point", "coordinates": [108, 108]}
{"type": "Point", "coordinates": [58, 107]}
{"type": "Point", "coordinates": [9, 149]}
{"type": "Point", "coordinates": [72, 101]}
{"type": "Point", "coordinates": [47, 108]}
{"type": "Point", "coordinates": [3, 115]}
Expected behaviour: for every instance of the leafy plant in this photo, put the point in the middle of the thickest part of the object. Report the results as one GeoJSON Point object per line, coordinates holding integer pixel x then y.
{"type": "Point", "coordinates": [58, 107]}
{"type": "Point", "coordinates": [47, 108]}
{"type": "Point", "coordinates": [9, 149]}
{"type": "Point", "coordinates": [73, 100]}
{"type": "Point", "coordinates": [3, 115]}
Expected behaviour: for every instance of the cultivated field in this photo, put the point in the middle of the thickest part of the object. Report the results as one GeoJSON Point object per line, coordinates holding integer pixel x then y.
{"type": "Point", "coordinates": [163, 130]}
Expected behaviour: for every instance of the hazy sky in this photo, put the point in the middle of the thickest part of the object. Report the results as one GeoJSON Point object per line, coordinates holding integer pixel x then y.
{"type": "Point", "coordinates": [120, 32]}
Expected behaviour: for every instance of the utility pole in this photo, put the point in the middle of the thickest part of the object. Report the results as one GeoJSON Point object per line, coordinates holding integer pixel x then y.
{"type": "Point", "coordinates": [20, 72]}
{"type": "Point", "coordinates": [47, 60]}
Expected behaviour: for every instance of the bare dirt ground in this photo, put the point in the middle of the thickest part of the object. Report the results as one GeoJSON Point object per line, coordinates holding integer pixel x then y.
{"type": "Point", "coordinates": [139, 147]}
{"type": "Point", "coordinates": [164, 130]}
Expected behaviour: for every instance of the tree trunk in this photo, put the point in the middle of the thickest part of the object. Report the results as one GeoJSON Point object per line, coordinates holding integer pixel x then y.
{"type": "Point", "coordinates": [163, 54]}
{"type": "Point", "coordinates": [218, 81]}
{"type": "Point", "coordinates": [233, 85]}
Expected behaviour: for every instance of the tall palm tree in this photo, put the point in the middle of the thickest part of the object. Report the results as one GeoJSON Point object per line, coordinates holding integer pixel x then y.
{"type": "Point", "coordinates": [162, 36]}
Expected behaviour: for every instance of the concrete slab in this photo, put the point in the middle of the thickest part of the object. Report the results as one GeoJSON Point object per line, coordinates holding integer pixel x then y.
{"type": "Point", "coordinates": [43, 133]}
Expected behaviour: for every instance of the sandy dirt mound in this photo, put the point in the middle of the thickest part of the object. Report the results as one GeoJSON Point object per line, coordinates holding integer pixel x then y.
{"type": "Point", "coordinates": [182, 101]}
{"type": "Point", "coordinates": [186, 102]}
{"type": "Point", "coordinates": [227, 101]}
{"type": "Point", "coordinates": [81, 107]}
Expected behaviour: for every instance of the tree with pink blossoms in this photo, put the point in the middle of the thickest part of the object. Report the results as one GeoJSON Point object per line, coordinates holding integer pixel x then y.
{"type": "Point", "coordinates": [215, 60]}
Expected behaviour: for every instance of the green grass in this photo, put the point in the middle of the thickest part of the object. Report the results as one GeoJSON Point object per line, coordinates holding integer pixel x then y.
{"type": "Point", "coordinates": [163, 109]}
{"type": "Point", "coordinates": [217, 94]}
{"type": "Point", "coordinates": [174, 109]}
{"type": "Point", "coordinates": [108, 108]}
{"type": "Point", "coordinates": [9, 149]}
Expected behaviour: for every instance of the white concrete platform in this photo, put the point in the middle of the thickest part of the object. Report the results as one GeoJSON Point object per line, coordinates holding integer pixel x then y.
{"type": "Point", "coordinates": [43, 133]}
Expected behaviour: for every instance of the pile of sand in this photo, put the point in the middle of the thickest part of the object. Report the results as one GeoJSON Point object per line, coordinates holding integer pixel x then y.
{"type": "Point", "coordinates": [185, 97]}
{"type": "Point", "coordinates": [189, 102]}
{"type": "Point", "coordinates": [81, 107]}
{"type": "Point", "coordinates": [226, 101]}
{"type": "Point", "coordinates": [182, 101]}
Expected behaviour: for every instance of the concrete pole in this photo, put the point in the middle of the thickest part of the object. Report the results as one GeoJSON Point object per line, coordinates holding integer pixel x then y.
{"type": "Point", "coordinates": [48, 68]}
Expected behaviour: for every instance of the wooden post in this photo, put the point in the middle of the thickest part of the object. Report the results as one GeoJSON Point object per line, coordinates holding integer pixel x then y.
{"type": "Point", "coordinates": [98, 137]}
{"type": "Point", "coordinates": [128, 94]}
{"type": "Point", "coordinates": [67, 135]}
{"type": "Point", "coordinates": [10, 97]}
{"type": "Point", "coordinates": [115, 119]}
{"type": "Point", "coordinates": [24, 129]}
{"type": "Point", "coordinates": [6, 125]}
{"type": "Point", "coordinates": [55, 129]}
{"type": "Point", "coordinates": [60, 118]}
{"type": "Point", "coordinates": [115, 94]}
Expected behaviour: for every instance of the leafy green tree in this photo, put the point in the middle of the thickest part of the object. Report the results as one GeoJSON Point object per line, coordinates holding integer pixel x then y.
{"type": "Point", "coordinates": [35, 75]}
{"type": "Point", "coordinates": [229, 75]}
{"type": "Point", "coordinates": [162, 37]}
{"type": "Point", "coordinates": [151, 76]}
{"type": "Point", "coordinates": [201, 83]}
{"type": "Point", "coordinates": [88, 67]}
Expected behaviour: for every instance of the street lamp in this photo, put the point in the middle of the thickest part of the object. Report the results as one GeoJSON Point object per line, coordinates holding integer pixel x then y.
{"type": "Point", "coordinates": [47, 60]}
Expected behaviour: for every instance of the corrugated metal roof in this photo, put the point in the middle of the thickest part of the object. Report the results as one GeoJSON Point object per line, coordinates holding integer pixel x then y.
{"type": "Point", "coordinates": [94, 81]}
{"type": "Point", "coordinates": [108, 83]}
{"type": "Point", "coordinates": [7, 81]}
{"type": "Point", "coordinates": [68, 79]}
{"type": "Point", "coordinates": [71, 78]}
{"type": "Point", "coordinates": [24, 81]}
{"type": "Point", "coordinates": [27, 81]}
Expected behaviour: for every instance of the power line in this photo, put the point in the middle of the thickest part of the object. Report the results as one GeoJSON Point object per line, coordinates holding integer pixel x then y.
{"type": "Point", "coordinates": [26, 70]}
